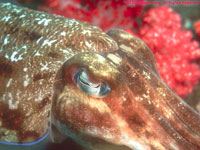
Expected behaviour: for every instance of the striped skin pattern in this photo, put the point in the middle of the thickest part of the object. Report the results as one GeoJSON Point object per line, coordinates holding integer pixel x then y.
{"type": "Point", "coordinates": [39, 55]}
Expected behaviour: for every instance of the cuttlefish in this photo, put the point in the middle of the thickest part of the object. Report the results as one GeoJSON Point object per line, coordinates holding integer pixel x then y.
{"type": "Point", "coordinates": [102, 90]}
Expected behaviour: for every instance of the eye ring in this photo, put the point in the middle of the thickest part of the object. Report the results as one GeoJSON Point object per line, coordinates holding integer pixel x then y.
{"type": "Point", "coordinates": [98, 90]}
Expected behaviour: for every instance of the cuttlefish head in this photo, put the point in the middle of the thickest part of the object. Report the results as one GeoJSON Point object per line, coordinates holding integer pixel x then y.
{"type": "Point", "coordinates": [117, 100]}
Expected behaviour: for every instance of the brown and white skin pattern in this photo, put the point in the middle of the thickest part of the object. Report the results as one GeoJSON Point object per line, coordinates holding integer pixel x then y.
{"type": "Point", "coordinates": [33, 46]}
{"type": "Point", "coordinates": [39, 55]}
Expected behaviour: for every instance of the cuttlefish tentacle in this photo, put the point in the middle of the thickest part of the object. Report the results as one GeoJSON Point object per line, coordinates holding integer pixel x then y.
{"type": "Point", "coordinates": [181, 116]}
{"type": "Point", "coordinates": [166, 127]}
{"type": "Point", "coordinates": [143, 54]}
{"type": "Point", "coordinates": [140, 112]}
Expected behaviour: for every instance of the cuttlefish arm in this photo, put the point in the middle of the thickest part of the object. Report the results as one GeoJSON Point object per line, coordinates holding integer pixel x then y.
{"type": "Point", "coordinates": [184, 119]}
{"type": "Point", "coordinates": [118, 98]}
{"type": "Point", "coordinates": [33, 46]}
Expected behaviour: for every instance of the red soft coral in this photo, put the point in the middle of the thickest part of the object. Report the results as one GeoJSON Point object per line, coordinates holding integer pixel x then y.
{"type": "Point", "coordinates": [173, 48]}
{"type": "Point", "coordinates": [105, 14]}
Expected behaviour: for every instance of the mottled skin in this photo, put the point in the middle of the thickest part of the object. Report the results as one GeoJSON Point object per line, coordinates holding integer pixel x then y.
{"type": "Point", "coordinates": [33, 45]}
{"type": "Point", "coordinates": [141, 112]}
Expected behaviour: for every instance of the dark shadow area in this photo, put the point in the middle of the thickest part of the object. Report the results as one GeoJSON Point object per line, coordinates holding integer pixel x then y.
{"type": "Point", "coordinates": [46, 144]}
{"type": "Point", "coordinates": [68, 144]}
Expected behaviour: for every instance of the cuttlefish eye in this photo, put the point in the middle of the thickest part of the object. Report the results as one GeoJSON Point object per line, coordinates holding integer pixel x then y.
{"type": "Point", "coordinates": [97, 90]}
{"type": "Point", "coordinates": [81, 87]}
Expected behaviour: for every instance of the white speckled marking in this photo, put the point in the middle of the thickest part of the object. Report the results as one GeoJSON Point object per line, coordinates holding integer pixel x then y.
{"type": "Point", "coordinates": [6, 18]}
{"type": "Point", "coordinates": [22, 16]}
{"type": "Point", "coordinates": [25, 69]}
{"type": "Point", "coordinates": [68, 52]}
{"type": "Point", "coordinates": [24, 47]}
{"type": "Point", "coordinates": [17, 10]}
{"type": "Point", "coordinates": [10, 102]}
{"type": "Point", "coordinates": [38, 40]}
{"type": "Point", "coordinates": [5, 42]}
{"type": "Point", "coordinates": [88, 32]}
{"type": "Point", "coordinates": [26, 83]}
{"type": "Point", "coordinates": [63, 33]}
{"type": "Point", "coordinates": [6, 56]}
{"type": "Point", "coordinates": [13, 57]}
{"type": "Point", "coordinates": [145, 96]}
{"type": "Point", "coordinates": [44, 67]}
{"type": "Point", "coordinates": [124, 98]}
{"type": "Point", "coordinates": [101, 59]}
{"type": "Point", "coordinates": [6, 4]}
{"type": "Point", "coordinates": [8, 83]}
{"type": "Point", "coordinates": [26, 80]}
{"type": "Point", "coordinates": [126, 36]}
{"type": "Point", "coordinates": [147, 76]}
{"type": "Point", "coordinates": [37, 54]}
{"type": "Point", "coordinates": [88, 44]}
{"type": "Point", "coordinates": [126, 48]}
{"type": "Point", "coordinates": [43, 21]}
{"type": "Point", "coordinates": [116, 59]}
{"type": "Point", "coordinates": [138, 98]}
{"type": "Point", "coordinates": [71, 22]}
{"type": "Point", "coordinates": [47, 42]}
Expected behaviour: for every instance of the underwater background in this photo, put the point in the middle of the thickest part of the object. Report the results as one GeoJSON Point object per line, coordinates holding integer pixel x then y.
{"type": "Point", "coordinates": [171, 31]}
